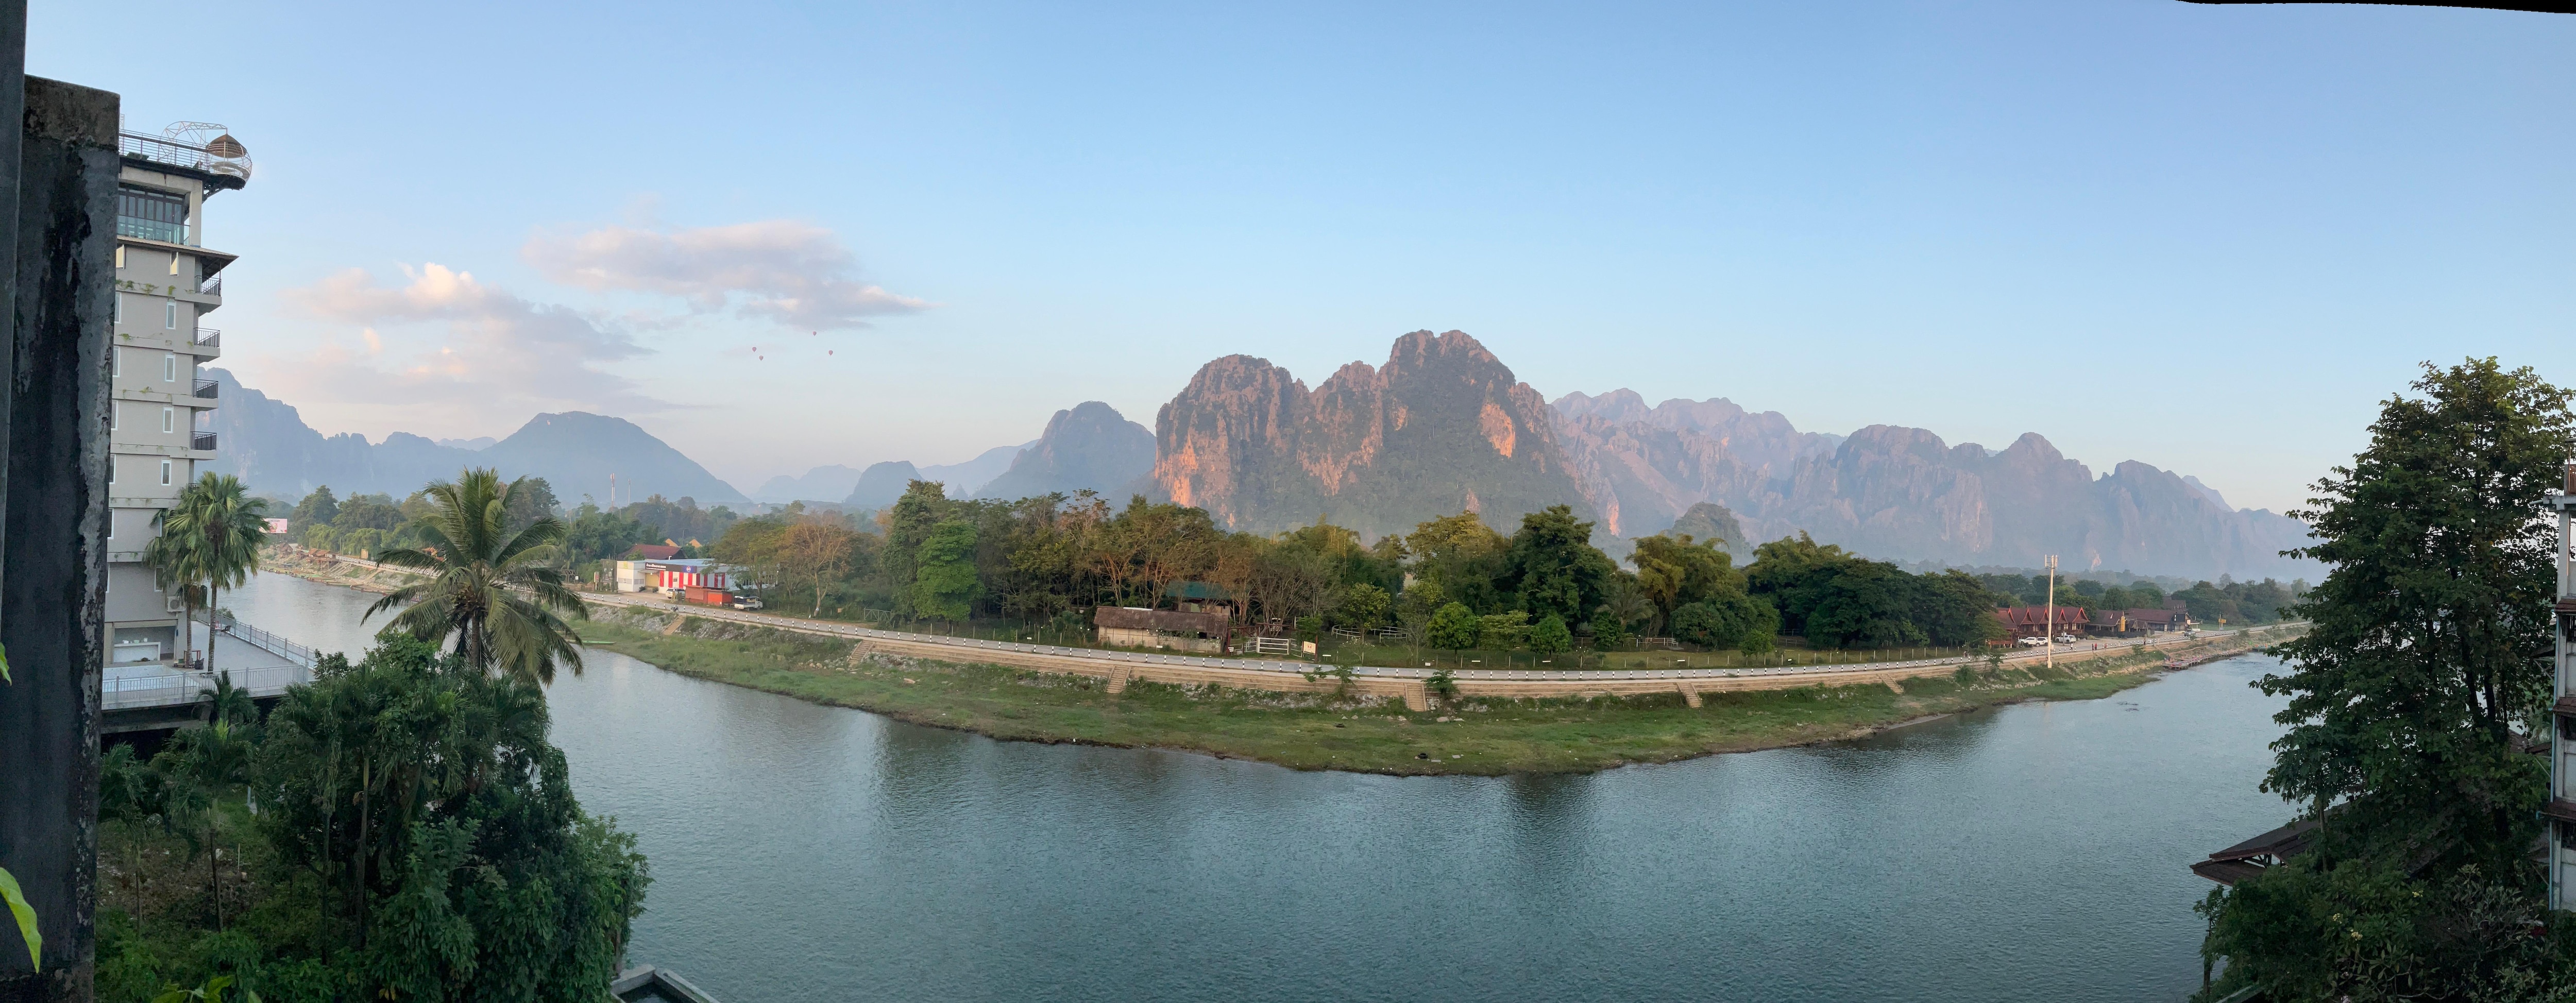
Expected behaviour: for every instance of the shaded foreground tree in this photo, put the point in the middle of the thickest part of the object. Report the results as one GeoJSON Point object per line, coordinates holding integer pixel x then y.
{"type": "Point", "coordinates": [2430, 644]}
{"type": "Point", "coordinates": [417, 839]}
{"type": "Point", "coordinates": [490, 589]}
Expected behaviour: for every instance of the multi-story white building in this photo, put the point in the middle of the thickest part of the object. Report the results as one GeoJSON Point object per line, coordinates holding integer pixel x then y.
{"type": "Point", "coordinates": [167, 281]}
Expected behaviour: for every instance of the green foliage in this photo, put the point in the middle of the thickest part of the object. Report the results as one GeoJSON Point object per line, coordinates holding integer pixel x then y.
{"type": "Point", "coordinates": [1729, 621]}
{"type": "Point", "coordinates": [1840, 600]}
{"type": "Point", "coordinates": [2431, 641]}
{"type": "Point", "coordinates": [944, 584]}
{"type": "Point", "coordinates": [1443, 684]}
{"type": "Point", "coordinates": [1551, 636]}
{"type": "Point", "coordinates": [1551, 566]}
{"type": "Point", "coordinates": [417, 838]}
{"type": "Point", "coordinates": [594, 535]}
{"type": "Point", "coordinates": [26, 917]}
{"type": "Point", "coordinates": [1503, 631]}
{"type": "Point", "coordinates": [315, 511]}
{"type": "Point", "coordinates": [1363, 605]}
{"type": "Point", "coordinates": [1310, 628]}
{"type": "Point", "coordinates": [1453, 628]}
{"type": "Point", "coordinates": [489, 588]}
{"type": "Point", "coordinates": [1609, 633]}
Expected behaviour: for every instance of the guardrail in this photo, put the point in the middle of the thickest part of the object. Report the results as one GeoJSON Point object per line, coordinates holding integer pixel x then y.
{"type": "Point", "coordinates": [209, 337]}
{"type": "Point", "coordinates": [133, 692]}
{"type": "Point", "coordinates": [271, 643]}
{"type": "Point", "coordinates": [201, 440]}
{"type": "Point", "coordinates": [205, 389]}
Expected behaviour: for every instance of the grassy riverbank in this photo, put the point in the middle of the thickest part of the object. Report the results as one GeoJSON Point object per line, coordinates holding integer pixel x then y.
{"type": "Point", "coordinates": [1316, 731]}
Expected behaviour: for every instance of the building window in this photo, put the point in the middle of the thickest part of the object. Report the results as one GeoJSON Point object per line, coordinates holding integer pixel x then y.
{"type": "Point", "coordinates": [170, 368]}
{"type": "Point", "coordinates": [165, 472]}
{"type": "Point", "coordinates": [120, 308]}
{"type": "Point", "coordinates": [173, 321]}
{"type": "Point", "coordinates": [116, 356]}
{"type": "Point", "coordinates": [151, 214]}
{"type": "Point", "coordinates": [169, 418]}
{"type": "Point", "coordinates": [120, 255]}
{"type": "Point", "coordinates": [115, 420]}
{"type": "Point", "coordinates": [174, 264]}
{"type": "Point", "coordinates": [111, 470]}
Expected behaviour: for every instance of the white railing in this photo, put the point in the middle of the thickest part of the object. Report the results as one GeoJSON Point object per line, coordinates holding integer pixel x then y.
{"type": "Point", "coordinates": [133, 692]}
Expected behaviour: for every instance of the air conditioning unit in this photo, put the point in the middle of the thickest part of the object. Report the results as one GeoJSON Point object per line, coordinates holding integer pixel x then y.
{"type": "Point", "coordinates": [176, 604]}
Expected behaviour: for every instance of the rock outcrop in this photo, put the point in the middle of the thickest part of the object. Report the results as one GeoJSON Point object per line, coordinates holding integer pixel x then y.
{"type": "Point", "coordinates": [1442, 427]}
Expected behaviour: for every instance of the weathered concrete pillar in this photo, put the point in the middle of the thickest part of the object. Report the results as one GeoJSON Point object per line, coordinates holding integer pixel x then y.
{"type": "Point", "coordinates": [53, 596]}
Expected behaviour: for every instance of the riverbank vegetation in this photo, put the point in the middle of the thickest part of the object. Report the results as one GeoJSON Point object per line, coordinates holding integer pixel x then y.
{"type": "Point", "coordinates": [398, 829]}
{"type": "Point", "coordinates": [1322, 731]}
{"type": "Point", "coordinates": [2413, 703]}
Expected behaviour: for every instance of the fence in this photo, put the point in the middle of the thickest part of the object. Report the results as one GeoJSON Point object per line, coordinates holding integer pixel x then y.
{"type": "Point", "coordinates": [130, 692]}
{"type": "Point", "coordinates": [274, 644]}
{"type": "Point", "coordinates": [1269, 645]}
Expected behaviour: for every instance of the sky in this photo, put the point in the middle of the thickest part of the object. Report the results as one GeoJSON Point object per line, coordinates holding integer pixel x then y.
{"type": "Point", "coordinates": [2208, 238]}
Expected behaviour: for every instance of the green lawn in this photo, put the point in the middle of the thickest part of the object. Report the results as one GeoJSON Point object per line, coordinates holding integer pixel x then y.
{"type": "Point", "coordinates": [1315, 731]}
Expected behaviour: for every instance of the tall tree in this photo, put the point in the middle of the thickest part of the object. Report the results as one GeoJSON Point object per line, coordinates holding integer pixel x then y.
{"type": "Point", "coordinates": [489, 588]}
{"type": "Point", "coordinates": [944, 585]}
{"type": "Point", "coordinates": [2430, 643]}
{"type": "Point", "coordinates": [815, 553]}
{"type": "Point", "coordinates": [1551, 566]}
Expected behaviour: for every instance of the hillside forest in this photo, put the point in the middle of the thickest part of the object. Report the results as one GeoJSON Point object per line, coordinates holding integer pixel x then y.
{"type": "Point", "coordinates": [1452, 582]}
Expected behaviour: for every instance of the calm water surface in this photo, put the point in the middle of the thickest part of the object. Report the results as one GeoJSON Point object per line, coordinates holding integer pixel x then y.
{"type": "Point", "coordinates": [800, 852]}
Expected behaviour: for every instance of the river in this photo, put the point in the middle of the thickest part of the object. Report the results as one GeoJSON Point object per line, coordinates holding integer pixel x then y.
{"type": "Point", "coordinates": [799, 852]}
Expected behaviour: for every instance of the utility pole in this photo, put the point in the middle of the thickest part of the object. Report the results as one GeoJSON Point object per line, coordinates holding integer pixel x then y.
{"type": "Point", "coordinates": [2052, 611]}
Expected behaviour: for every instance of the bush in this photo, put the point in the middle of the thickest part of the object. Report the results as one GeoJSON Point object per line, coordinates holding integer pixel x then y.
{"type": "Point", "coordinates": [1503, 631]}
{"type": "Point", "coordinates": [1551, 636]}
{"type": "Point", "coordinates": [1725, 622]}
{"type": "Point", "coordinates": [1453, 628]}
{"type": "Point", "coordinates": [1608, 634]}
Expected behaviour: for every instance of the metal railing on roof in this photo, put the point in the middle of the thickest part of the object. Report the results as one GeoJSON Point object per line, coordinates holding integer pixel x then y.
{"type": "Point", "coordinates": [165, 150]}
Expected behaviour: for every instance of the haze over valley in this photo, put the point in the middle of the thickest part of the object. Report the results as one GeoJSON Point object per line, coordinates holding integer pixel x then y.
{"type": "Point", "coordinates": [1442, 426]}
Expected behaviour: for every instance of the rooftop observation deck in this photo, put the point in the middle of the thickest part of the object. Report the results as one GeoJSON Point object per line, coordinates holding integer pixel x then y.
{"type": "Point", "coordinates": [201, 150]}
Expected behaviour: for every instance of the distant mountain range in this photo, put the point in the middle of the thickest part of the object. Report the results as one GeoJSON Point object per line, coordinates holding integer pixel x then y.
{"type": "Point", "coordinates": [266, 443]}
{"type": "Point", "coordinates": [1445, 426]}
{"type": "Point", "coordinates": [1442, 426]}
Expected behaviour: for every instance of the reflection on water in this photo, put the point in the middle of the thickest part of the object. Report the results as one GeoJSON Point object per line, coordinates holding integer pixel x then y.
{"type": "Point", "coordinates": [2034, 852]}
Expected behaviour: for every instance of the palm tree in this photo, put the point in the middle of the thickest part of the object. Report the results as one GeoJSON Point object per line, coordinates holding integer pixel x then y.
{"type": "Point", "coordinates": [211, 535]}
{"type": "Point", "coordinates": [489, 588]}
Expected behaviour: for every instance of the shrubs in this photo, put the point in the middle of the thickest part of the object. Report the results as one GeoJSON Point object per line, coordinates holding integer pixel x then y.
{"type": "Point", "coordinates": [1728, 621]}
{"type": "Point", "coordinates": [1454, 628]}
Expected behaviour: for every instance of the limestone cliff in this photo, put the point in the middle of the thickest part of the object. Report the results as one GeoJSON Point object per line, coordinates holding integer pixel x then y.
{"type": "Point", "coordinates": [1442, 426]}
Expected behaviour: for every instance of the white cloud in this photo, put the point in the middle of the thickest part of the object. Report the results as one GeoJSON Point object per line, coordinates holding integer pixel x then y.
{"type": "Point", "coordinates": [446, 349]}
{"type": "Point", "coordinates": [793, 273]}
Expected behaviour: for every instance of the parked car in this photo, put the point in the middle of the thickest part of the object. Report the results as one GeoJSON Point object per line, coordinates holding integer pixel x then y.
{"type": "Point", "coordinates": [744, 601]}
{"type": "Point", "coordinates": [2065, 638]}
{"type": "Point", "coordinates": [2033, 641]}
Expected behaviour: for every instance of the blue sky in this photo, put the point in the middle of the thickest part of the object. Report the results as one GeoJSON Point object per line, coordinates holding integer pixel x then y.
{"type": "Point", "coordinates": [2206, 238]}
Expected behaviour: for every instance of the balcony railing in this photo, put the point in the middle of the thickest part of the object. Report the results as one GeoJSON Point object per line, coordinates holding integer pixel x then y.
{"type": "Point", "coordinates": [206, 389]}
{"type": "Point", "coordinates": [165, 150]}
{"type": "Point", "coordinates": [213, 286]}
{"type": "Point", "coordinates": [204, 441]}
{"type": "Point", "coordinates": [210, 338]}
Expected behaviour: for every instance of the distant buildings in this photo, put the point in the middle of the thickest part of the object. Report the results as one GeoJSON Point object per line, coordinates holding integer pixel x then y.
{"type": "Point", "coordinates": [167, 280]}
{"type": "Point", "coordinates": [2034, 621]}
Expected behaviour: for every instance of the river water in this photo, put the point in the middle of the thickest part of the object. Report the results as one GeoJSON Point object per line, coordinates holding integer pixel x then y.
{"type": "Point", "coordinates": [2034, 852]}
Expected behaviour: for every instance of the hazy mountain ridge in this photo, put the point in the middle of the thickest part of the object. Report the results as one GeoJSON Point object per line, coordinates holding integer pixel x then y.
{"type": "Point", "coordinates": [1087, 447]}
{"type": "Point", "coordinates": [266, 443]}
{"type": "Point", "coordinates": [1442, 426]}
{"type": "Point", "coordinates": [1903, 494]}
